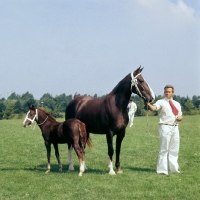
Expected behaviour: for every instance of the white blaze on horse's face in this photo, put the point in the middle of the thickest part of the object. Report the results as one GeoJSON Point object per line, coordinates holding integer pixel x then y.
{"type": "Point", "coordinates": [141, 92]}
{"type": "Point", "coordinates": [30, 118]}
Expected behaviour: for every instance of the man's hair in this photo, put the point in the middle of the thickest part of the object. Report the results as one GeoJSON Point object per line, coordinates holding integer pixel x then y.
{"type": "Point", "coordinates": [169, 86]}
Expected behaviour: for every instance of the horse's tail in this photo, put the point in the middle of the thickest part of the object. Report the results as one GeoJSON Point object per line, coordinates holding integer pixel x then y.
{"type": "Point", "coordinates": [84, 139]}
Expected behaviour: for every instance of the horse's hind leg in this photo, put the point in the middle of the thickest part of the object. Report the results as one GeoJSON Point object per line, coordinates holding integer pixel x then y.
{"type": "Point", "coordinates": [57, 156]}
{"type": "Point", "coordinates": [48, 148]}
{"type": "Point", "coordinates": [70, 162]}
{"type": "Point", "coordinates": [81, 154]}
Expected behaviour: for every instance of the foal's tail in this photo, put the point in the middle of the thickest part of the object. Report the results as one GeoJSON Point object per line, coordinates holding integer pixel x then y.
{"type": "Point", "coordinates": [83, 135]}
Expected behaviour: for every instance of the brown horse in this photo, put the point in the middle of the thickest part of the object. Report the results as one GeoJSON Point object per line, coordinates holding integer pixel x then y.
{"type": "Point", "coordinates": [71, 131]}
{"type": "Point", "coordinates": [109, 115]}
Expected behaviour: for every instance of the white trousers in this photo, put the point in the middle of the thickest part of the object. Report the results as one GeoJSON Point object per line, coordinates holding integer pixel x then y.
{"type": "Point", "coordinates": [169, 149]}
{"type": "Point", "coordinates": [131, 117]}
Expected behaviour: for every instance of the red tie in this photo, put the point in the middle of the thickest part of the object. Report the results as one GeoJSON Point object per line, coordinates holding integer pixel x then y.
{"type": "Point", "coordinates": [174, 109]}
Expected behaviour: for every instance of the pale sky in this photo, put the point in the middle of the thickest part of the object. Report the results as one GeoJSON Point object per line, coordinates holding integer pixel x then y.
{"type": "Point", "coordinates": [88, 46]}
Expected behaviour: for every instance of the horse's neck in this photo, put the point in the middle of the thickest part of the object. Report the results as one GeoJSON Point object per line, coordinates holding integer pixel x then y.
{"type": "Point", "coordinates": [41, 117]}
{"type": "Point", "coordinates": [122, 92]}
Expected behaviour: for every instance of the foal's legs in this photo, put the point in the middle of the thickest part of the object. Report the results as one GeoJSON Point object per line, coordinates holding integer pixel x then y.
{"type": "Point", "coordinates": [119, 139]}
{"type": "Point", "coordinates": [70, 162]}
{"type": "Point", "coordinates": [81, 154]}
{"type": "Point", "coordinates": [57, 156]}
{"type": "Point", "coordinates": [48, 148]}
{"type": "Point", "coordinates": [109, 138]}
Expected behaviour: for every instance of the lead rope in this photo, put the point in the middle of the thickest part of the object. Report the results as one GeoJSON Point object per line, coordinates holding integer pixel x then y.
{"type": "Point", "coordinates": [147, 120]}
{"type": "Point", "coordinates": [33, 126]}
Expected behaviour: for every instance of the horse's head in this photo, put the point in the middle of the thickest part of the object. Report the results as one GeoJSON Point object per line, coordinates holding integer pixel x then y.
{"type": "Point", "coordinates": [30, 116]}
{"type": "Point", "coordinates": [141, 87]}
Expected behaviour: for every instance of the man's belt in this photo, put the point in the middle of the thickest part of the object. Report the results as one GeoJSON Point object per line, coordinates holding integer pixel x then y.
{"type": "Point", "coordinates": [170, 124]}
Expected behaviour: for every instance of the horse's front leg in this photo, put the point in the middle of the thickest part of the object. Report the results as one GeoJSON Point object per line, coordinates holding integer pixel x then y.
{"type": "Point", "coordinates": [57, 156]}
{"type": "Point", "coordinates": [48, 148]}
{"type": "Point", "coordinates": [119, 139]}
{"type": "Point", "coordinates": [70, 162]}
{"type": "Point", "coordinates": [109, 138]}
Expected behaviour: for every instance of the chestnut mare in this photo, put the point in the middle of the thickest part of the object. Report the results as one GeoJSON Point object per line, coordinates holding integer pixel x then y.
{"type": "Point", "coordinates": [71, 131]}
{"type": "Point", "coordinates": [109, 115]}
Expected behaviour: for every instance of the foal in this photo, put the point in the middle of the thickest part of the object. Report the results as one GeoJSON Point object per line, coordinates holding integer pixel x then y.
{"type": "Point", "coordinates": [71, 131]}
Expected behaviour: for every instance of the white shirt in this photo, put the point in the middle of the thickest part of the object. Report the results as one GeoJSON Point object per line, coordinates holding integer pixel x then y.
{"type": "Point", "coordinates": [132, 106]}
{"type": "Point", "coordinates": [165, 113]}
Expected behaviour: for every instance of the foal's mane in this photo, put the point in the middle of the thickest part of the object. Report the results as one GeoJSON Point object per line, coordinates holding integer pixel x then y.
{"type": "Point", "coordinates": [48, 114]}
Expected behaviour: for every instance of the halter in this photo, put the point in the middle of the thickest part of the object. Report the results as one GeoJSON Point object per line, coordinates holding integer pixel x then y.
{"type": "Point", "coordinates": [134, 82]}
{"type": "Point", "coordinates": [35, 117]}
{"type": "Point", "coordinates": [31, 120]}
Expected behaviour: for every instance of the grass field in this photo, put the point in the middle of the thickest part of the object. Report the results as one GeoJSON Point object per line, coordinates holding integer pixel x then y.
{"type": "Point", "coordinates": [23, 163]}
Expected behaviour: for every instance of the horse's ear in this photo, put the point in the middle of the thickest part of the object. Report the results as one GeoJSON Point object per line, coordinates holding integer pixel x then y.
{"type": "Point", "coordinates": [141, 68]}
{"type": "Point", "coordinates": [138, 70]}
{"type": "Point", "coordinates": [31, 107]}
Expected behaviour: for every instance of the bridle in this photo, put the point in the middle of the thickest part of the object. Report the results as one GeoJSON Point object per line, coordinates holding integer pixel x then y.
{"type": "Point", "coordinates": [35, 117]}
{"type": "Point", "coordinates": [134, 82]}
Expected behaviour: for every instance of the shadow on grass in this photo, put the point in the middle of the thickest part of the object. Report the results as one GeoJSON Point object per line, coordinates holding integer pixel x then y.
{"type": "Point", "coordinates": [139, 169]}
{"type": "Point", "coordinates": [54, 169]}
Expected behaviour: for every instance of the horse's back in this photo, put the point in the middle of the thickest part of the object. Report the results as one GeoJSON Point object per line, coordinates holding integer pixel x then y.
{"type": "Point", "coordinates": [82, 104]}
{"type": "Point", "coordinates": [88, 110]}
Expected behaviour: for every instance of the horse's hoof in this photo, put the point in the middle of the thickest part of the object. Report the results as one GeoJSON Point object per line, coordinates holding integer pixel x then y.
{"type": "Point", "coordinates": [112, 173]}
{"type": "Point", "coordinates": [80, 174]}
{"type": "Point", "coordinates": [47, 171]}
{"type": "Point", "coordinates": [71, 168]}
{"type": "Point", "coordinates": [119, 171]}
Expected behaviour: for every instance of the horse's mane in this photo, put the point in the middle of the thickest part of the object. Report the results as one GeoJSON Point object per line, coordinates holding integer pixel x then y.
{"type": "Point", "coordinates": [48, 114]}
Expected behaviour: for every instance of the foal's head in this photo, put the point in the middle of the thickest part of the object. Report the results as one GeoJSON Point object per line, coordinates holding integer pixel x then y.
{"type": "Point", "coordinates": [141, 87]}
{"type": "Point", "coordinates": [31, 115]}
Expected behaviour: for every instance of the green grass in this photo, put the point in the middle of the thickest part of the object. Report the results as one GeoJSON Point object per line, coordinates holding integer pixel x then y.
{"type": "Point", "coordinates": [23, 163]}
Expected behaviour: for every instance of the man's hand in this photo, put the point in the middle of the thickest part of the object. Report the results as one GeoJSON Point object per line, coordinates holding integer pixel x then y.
{"type": "Point", "coordinates": [151, 107]}
{"type": "Point", "coordinates": [179, 118]}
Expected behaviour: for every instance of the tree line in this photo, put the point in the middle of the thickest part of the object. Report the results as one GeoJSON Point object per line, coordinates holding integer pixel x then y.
{"type": "Point", "coordinates": [15, 106]}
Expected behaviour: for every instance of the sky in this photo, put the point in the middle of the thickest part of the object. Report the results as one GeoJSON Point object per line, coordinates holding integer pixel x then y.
{"type": "Point", "coordinates": [88, 46]}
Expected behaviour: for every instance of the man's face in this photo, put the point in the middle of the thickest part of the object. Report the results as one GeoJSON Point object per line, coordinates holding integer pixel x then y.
{"type": "Point", "coordinates": [168, 93]}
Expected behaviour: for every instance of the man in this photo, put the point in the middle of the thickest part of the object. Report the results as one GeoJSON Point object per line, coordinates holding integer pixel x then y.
{"type": "Point", "coordinates": [169, 113]}
{"type": "Point", "coordinates": [131, 112]}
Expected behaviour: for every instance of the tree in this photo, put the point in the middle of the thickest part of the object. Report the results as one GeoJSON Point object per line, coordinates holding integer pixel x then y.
{"type": "Point", "coordinates": [17, 107]}
{"type": "Point", "coordinates": [196, 101]}
{"type": "Point", "coordinates": [62, 101]}
{"type": "Point", "coordinates": [8, 112]}
{"type": "Point", "coordinates": [14, 96]}
{"type": "Point", "coordinates": [189, 107]}
{"type": "Point", "coordinates": [2, 109]}
{"type": "Point", "coordinates": [48, 101]}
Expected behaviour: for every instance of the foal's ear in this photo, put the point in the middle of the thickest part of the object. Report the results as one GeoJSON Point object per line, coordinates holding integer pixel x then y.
{"type": "Point", "coordinates": [31, 107]}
